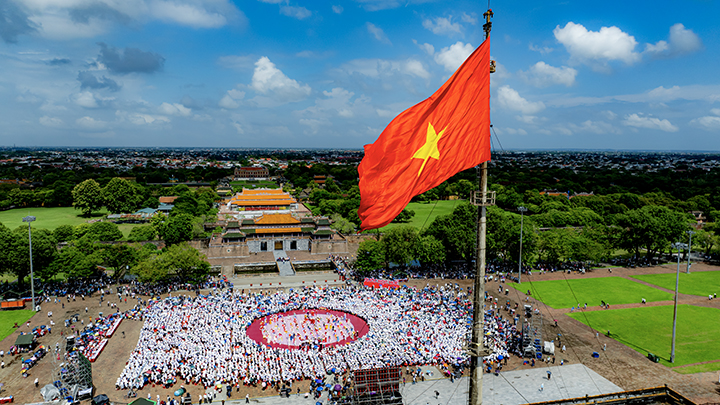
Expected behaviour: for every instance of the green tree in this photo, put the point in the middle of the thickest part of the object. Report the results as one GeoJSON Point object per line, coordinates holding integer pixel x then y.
{"type": "Point", "coordinates": [651, 227]}
{"type": "Point", "coordinates": [370, 255]}
{"type": "Point", "coordinates": [430, 250]}
{"type": "Point", "coordinates": [142, 233]}
{"type": "Point", "coordinates": [456, 231]}
{"type": "Point", "coordinates": [104, 232]}
{"type": "Point", "coordinates": [176, 229]}
{"type": "Point", "coordinates": [15, 252]}
{"type": "Point", "coordinates": [401, 244]}
{"type": "Point", "coordinates": [75, 263]}
{"type": "Point", "coordinates": [87, 197]}
{"type": "Point", "coordinates": [121, 196]}
{"type": "Point", "coordinates": [119, 257]}
{"type": "Point", "coordinates": [404, 216]}
{"type": "Point", "coordinates": [185, 261]}
{"type": "Point", "coordinates": [341, 224]}
{"type": "Point", "coordinates": [64, 233]}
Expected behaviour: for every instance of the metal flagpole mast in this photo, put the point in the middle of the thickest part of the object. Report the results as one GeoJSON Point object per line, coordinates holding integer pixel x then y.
{"type": "Point", "coordinates": [483, 199]}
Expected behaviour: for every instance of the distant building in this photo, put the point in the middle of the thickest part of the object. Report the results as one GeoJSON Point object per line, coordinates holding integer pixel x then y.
{"type": "Point", "coordinates": [699, 219]}
{"type": "Point", "coordinates": [262, 199]}
{"type": "Point", "coordinates": [167, 199]}
{"type": "Point", "coordinates": [251, 173]}
{"type": "Point", "coordinates": [277, 232]}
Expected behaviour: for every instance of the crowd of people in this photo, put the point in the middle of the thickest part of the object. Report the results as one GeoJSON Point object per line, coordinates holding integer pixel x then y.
{"type": "Point", "coordinates": [203, 340]}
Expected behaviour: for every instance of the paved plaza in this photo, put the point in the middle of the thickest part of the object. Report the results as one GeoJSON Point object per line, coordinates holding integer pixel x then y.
{"type": "Point", "coordinates": [509, 388]}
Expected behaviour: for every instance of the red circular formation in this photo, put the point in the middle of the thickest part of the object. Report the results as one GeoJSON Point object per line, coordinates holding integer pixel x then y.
{"type": "Point", "coordinates": [360, 327]}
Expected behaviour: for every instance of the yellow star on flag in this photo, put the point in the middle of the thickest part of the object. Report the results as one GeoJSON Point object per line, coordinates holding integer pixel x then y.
{"type": "Point", "coordinates": [429, 149]}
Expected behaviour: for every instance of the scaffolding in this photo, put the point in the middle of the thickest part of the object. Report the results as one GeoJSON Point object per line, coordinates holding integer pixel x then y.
{"type": "Point", "coordinates": [532, 342]}
{"type": "Point", "coordinates": [377, 386]}
{"type": "Point", "coordinates": [72, 373]}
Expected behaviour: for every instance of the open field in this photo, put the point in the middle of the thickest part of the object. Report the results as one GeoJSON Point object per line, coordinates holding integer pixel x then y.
{"type": "Point", "coordinates": [649, 329]}
{"type": "Point", "coordinates": [239, 185]}
{"type": "Point", "coordinates": [425, 213]}
{"type": "Point", "coordinates": [48, 218]}
{"type": "Point", "coordinates": [571, 292]}
{"type": "Point", "coordinates": [701, 283]}
{"type": "Point", "coordinates": [8, 319]}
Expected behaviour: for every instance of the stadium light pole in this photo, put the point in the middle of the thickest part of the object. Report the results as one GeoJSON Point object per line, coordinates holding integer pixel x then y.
{"type": "Point", "coordinates": [522, 211]}
{"type": "Point", "coordinates": [29, 219]}
{"type": "Point", "coordinates": [677, 283]}
{"type": "Point", "coordinates": [690, 234]}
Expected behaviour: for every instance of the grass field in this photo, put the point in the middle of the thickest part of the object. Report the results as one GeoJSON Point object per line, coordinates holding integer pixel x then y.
{"type": "Point", "coordinates": [425, 213]}
{"type": "Point", "coordinates": [237, 186]}
{"type": "Point", "coordinates": [612, 290]}
{"type": "Point", "coordinates": [701, 283]}
{"type": "Point", "coordinates": [48, 218]}
{"type": "Point", "coordinates": [649, 329]}
{"type": "Point", "coordinates": [8, 319]}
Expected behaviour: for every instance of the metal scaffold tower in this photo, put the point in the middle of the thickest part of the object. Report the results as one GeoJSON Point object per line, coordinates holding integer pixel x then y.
{"type": "Point", "coordinates": [72, 372]}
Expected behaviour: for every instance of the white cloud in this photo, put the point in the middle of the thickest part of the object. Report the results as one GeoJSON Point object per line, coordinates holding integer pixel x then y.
{"type": "Point", "coordinates": [442, 26]}
{"type": "Point", "coordinates": [85, 99]}
{"type": "Point", "coordinates": [681, 41]}
{"type": "Point", "coordinates": [338, 102]}
{"type": "Point", "coordinates": [543, 50]}
{"type": "Point", "coordinates": [511, 99]}
{"type": "Point", "coordinates": [240, 62]}
{"type": "Point", "coordinates": [528, 119]}
{"type": "Point", "coordinates": [469, 18]}
{"type": "Point", "coordinates": [511, 131]}
{"type": "Point", "coordinates": [709, 122]}
{"type": "Point", "coordinates": [609, 115]}
{"type": "Point", "coordinates": [377, 32]}
{"type": "Point", "coordinates": [453, 56]}
{"type": "Point", "coordinates": [91, 124]}
{"type": "Point", "coordinates": [300, 13]}
{"type": "Point", "coordinates": [228, 103]}
{"type": "Point", "coordinates": [147, 119]}
{"type": "Point", "coordinates": [382, 68]}
{"type": "Point", "coordinates": [174, 109]}
{"type": "Point", "coordinates": [428, 48]}
{"type": "Point", "coordinates": [608, 44]}
{"type": "Point", "coordinates": [337, 9]}
{"type": "Point", "coordinates": [52, 122]}
{"type": "Point", "coordinates": [187, 14]}
{"type": "Point", "coordinates": [542, 75]}
{"type": "Point", "coordinates": [640, 121]}
{"type": "Point", "coordinates": [268, 79]}
{"type": "Point", "coordinates": [315, 124]}
{"type": "Point", "coordinates": [60, 20]}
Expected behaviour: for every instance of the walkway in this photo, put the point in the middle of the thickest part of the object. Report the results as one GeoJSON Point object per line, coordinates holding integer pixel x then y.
{"type": "Point", "coordinates": [284, 266]}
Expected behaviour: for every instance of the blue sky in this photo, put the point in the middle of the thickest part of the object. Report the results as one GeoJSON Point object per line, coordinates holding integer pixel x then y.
{"type": "Point", "coordinates": [286, 73]}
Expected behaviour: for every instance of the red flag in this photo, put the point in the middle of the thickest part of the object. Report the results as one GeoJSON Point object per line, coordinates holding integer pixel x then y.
{"type": "Point", "coordinates": [428, 143]}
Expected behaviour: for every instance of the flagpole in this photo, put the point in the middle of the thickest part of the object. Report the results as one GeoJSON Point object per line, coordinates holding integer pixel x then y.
{"type": "Point", "coordinates": [477, 349]}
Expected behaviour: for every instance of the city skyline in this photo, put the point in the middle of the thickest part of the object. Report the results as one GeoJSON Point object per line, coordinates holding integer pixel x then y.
{"type": "Point", "coordinates": [294, 74]}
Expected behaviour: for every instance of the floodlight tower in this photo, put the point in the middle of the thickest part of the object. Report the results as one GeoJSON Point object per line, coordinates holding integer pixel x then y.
{"type": "Point", "coordinates": [690, 234]}
{"type": "Point", "coordinates": [522, 211]}
{"type": "Point", "coordinates": [677, 283]}
{"type": "Point", "coordinates": [29, 219]}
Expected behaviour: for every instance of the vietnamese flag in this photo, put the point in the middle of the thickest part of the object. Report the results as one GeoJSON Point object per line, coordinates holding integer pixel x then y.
{"type": "Point", "coordinates": [428, 143]}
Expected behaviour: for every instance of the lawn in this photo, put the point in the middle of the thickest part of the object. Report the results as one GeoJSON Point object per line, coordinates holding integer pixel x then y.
{"type": "Point", "coordinates": [48, 218]}
{"type": "Point", "coordinates": [612, 290]}
{"type": "Point", "coordinates": [426, 212]}
{"type": "Point", "coordinates": [701, 283]}
{"type": "Point", "coordinates": [8, 319]}
{"type": "Point", "coordinates": [649, 329]}
{"type": "Point", "coordinates": [237, 186]}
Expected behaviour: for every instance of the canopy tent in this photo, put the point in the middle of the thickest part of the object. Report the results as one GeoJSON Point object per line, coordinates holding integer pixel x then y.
{"type": "Point", "coordinates": [50, 393]}
{"type": "Point", "coordinates": [143, 401]}
{"type": "Point", "coordinates": [25, 340]}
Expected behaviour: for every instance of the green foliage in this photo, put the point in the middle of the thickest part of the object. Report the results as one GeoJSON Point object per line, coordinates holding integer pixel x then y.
{"type": "Point", "coordinates": [404, 216]}
{"type": "Point", "coordinates": [76, 263]}
{"type": "Point", "coordinates": [119, 257]}
{"type": "Point", "coordinates": [457, 232]}
{"type": "Point", "coordinates": [430, 250]}
{"type": "Point", "coordinates": [121, 196]}
{"type": "Point", "coordinates": [370, 255]}
{"type": "Point", "coordinates": [87, 197]}
{"type": "Point", "coordinates": [64, 233]}
{"type": "Point", "coordinates": [176, 229]}
{"type": "Point", "coordinates": [401, 244]}
{"type": "Point", "coordinates": [103, 232]}
{"type": "Point", "coordinates": [341, 224]}
{"type": "Point", "coordinates": [15, 252]}
{"type": "Point", "coordinates": [142, 233]}
{"type": "Point", "coordinates": [651, 227]}
{"type": "Point", "coordinates": [180, 260]}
